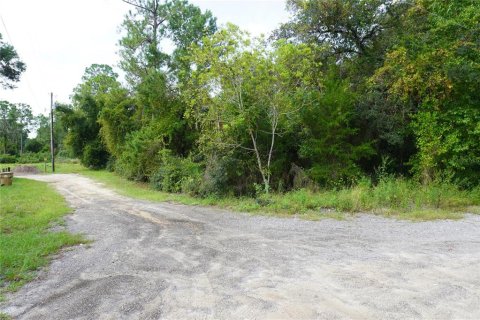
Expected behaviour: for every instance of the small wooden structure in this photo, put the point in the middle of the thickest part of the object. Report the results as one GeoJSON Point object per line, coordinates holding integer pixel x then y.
{"type": "Point", "coordinates": [6, 178]}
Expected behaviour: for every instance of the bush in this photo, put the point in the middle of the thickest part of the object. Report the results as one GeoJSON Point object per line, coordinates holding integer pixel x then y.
{"type": "Point", "coordinates": [230, 175]}
{"type": "Point", "coordinates": [7, 158]}
{"type": "Point", "coordinates": [327, 138]}
{"type": "Point", "coordinates": [177, 174]}
{"type": "Point", "coordinates": [29, 157]}
{"type": "Point", "coordinates": [215, 180]}
{"type": "Point", "coordinates": [95, 155]}
{"type": "Point", "coordinates": [33, 146]}
{"type": "Point", "coordinates": [65, 154]}
{"type": "Point", "coordinates": [140, 157]}
{"type": "Point", "coordinates": [110, 166]}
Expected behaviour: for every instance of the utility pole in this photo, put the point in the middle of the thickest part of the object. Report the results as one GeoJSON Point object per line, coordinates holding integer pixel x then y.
{"type": "Point", "coordinates": [51, 132]}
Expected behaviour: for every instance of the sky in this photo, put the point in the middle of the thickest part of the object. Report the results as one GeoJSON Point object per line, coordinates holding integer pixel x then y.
{"type": "Point", "coordinates": [58, 39]}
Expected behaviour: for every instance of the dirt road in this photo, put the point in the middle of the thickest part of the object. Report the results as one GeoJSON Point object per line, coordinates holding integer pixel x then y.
{"type": "Point", "coordinates": [166, 261]}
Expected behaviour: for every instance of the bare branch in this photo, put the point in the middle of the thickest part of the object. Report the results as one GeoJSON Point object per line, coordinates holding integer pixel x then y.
{"type": "Point", "coordinates": [137, 5]}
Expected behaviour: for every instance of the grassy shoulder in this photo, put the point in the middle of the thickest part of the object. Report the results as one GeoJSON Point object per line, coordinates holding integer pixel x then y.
{"type": "Point", "coordinates": [398, 198]}
{"type": "Point", "coordinates": [28, 211]}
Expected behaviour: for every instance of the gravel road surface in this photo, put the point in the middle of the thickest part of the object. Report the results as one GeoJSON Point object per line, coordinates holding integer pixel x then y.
{"type": "Point", "coordinates": [167, 261]}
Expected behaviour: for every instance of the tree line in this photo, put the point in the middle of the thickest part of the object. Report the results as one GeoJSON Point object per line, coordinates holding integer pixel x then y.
{"type": "Point", "coordinates": [17, 123]}
{"type": "Point", "coordinates": [345, 89]}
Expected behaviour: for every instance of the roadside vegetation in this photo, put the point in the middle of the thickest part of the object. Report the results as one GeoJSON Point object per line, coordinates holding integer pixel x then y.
{"type": "Point", "coordinates": [351, 105]}
{"type": "Point", "coordinates": [391, 197]}
{"type": "Point", "coordinates": [28, 212]}
{"type": "Point", "coordinates": [398, 198]}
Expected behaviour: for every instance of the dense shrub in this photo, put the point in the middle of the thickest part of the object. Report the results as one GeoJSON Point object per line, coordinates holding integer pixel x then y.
{"type": "Point", "coordinates": [30, 157]}
{"type": "Point", "coordinates": [140, 157]}
{"type": "Point", "coordinates": [215, 178]}
{"type": "Point", "coordinates": [177, 174]}
{"type": "Point", "coordinates": [110, 166]}
{"type": "Point", "coordinates": [65, 154]}
{"type": "Point", "coordinates": [312, 108]}
{"type": "Point", "coordinates": [33, 146]}
{"type": "Point", "coordinates": [326, 148]}
{"type": "Point", "coordinates": [7, 158]}
{"type": "Point", "coordinates": [94, 155]}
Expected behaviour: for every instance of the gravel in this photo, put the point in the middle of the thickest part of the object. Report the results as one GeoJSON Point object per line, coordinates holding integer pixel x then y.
{"type": "Point", "coordinates": [25, 170]}
{"type": "Point", "coordinates": [168, 261]}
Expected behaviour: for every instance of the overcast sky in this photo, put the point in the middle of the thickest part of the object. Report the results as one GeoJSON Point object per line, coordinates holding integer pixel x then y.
{"type": "Point", "coordinates": [58, 39]}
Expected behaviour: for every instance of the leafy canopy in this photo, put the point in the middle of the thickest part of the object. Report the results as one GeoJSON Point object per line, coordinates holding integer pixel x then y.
{"type": "Point", "coordinates": [11, 67]}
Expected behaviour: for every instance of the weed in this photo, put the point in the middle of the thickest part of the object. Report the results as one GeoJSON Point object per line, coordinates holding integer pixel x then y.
{"type": "Point", "coordinates": [393, 197]}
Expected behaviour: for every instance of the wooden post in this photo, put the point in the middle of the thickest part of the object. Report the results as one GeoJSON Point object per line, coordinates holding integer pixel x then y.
{"type": "Point", "coordinates": [52, 151]}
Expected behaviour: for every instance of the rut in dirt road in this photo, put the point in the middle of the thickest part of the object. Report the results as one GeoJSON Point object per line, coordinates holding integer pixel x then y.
{"type": "Point", "coordinates": [167, 261]}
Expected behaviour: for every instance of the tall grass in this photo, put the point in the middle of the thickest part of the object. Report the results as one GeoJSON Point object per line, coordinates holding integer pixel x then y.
{"type": "Point", "coordinates": [396, 197]}
{"type": "Point", "coordinates": [391, 197]}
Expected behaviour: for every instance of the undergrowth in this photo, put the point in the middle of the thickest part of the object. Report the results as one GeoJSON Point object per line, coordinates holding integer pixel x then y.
{"type": "Point", "coordinates": [395, 197]}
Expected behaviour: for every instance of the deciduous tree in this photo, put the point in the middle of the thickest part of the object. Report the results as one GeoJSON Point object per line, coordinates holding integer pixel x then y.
{"type": "Point", "coordinates": [11, 67]}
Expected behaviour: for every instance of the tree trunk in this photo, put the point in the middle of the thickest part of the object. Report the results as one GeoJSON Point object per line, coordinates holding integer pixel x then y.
{"type": "Point", "coordinates": [21, 142]}
{"type": "Point", "coordinates": [265, 177]}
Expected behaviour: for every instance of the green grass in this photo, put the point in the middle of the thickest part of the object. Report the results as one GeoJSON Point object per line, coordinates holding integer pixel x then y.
{"type": "Point", "coordinates": [28, 210]}
{"type": "Point", "coordinates": [4, 316]}
{"type": "Point", "coordinates": [398, 198]}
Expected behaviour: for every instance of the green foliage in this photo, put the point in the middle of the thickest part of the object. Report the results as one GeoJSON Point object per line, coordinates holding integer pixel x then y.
{"type": "Point", "coordinates": [33, 145]}
{"type": "Point", "coordinates": [385, 122]}
{"type": "Point", "coordinates": [436, 69]}
{"type": "Point", "coordinates": [42, 124]}
{"type": "Point", "coordinates": [392, 197]}
{"type": "Point", "coordinates": [220, 175]}
{"type": "Point", "coordinates": [187, 25]}
{"type": "Point", "coordinates": [117, 119]}
{"type": "Point", "coordinates": [16, 121]}
{"type": "Point", "coordinates": [94, 155]}
{"type": "Point", "coordinates": [11, 67]}
{"type": "Point", "coordinates": [244, 97]}
{"type": "Point", "coordinates": [7, 158]}
{"type": "Point", "coordinates": [348, 27]}
{"type": "Point", "coordinates": [327, 146]}
{"type": "Point", "coordinates": [159, 108]}
{"type": "Point", "coordinates": [29, 157]}
{"type": "Point", "coordinates": [140, 156]}
{"type": "Point", "coordinates": [346, 86]}
{"type": "Point", "coordinates": [81, 119]}
{"type": "Point", "coordinates": [152, 22]}
{"type": "Point", "coordinates": [177, 174]}
{"type": "Point", "coordinates": [399, 198]}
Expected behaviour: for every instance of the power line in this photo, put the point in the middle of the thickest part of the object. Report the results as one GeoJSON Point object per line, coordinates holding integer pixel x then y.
{"type": "Point", "coordinates": [6, 30]}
